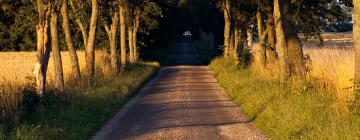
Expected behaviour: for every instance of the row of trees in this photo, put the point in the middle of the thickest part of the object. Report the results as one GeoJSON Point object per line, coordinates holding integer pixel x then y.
{"type": "Point", "coordinates": [121, 19]}
{"type": "Point", "coordinates": [278, 23]}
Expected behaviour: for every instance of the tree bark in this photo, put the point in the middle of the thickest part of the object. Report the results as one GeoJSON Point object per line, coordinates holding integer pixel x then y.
{"type": "Point", "coordinates": [262, 54]}
{"type": "Point", "coordinates": [112, 39]}
{"type": "Point", "coordinates": [232, 50]}
{"type": "Point", "coordinates": [135, 32]}
{"type": "Point", "coordinates": [89, 50]}
{"type": "Point", "coordinates": [237, 42]}
{"type": "Point", "coordinates": [72, 51]}
{"type": "Point", "coordinates": [356, 34]}
{"type": "Point", "coordinates": [294, 48]}
{"type": "Point", "coordinates": [227, 26]}
{"type": "Point", "coordinates": [130, 45]}
{"type": "Point", "coordinates": [122, 35]}
{"type": "Point", "coordinates": [43, 47]}
{"type": "Point", "coordinates": [271, 36]}
{"type": "Point", "coordinates": [243, 41]}
{"type": "Point", "coordinates": [56, 54]}
{"type": "Point", "coordinates": [281, 41]}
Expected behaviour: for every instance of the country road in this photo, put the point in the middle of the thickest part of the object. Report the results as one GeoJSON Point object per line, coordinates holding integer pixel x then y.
{"type": "Point", "coordinates": [183, 101]}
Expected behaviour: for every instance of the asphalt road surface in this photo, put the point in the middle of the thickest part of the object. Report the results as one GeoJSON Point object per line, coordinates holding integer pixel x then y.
{"type": "Point", "coordinates": [182, 102]}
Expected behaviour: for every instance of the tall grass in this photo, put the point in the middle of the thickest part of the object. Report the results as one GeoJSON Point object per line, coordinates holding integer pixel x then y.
{"type": "Point", "coordinates": [330, 67]}
{"type": "Point", "coordinates": [286, 110]}
{"type": "Point", "coordinates": [335, 67]}
{"type": "Point", "coordinates": [77, 113]}
{"type": "Point", "coordinates": [321, 107]}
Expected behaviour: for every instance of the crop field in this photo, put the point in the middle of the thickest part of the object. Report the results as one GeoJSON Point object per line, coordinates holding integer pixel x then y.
{"type": "Point", "coordinates": [332, 66]}
{"type": "Point", "coordinates": [17, 66]}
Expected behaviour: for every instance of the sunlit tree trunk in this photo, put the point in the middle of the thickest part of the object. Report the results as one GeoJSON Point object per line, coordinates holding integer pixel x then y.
{"type": "Point", "coordinates": [89, 50]}
{"type": "Point", "coordinates": [130, 45]}
{"type": "Point", "coordinates": [281, 41]}
{"type": "Point", "coordinates": [356, 34]}
{"type": "Point", "coordinates": [135, 32]}
{"type": "Point", "coordinates": [112, 39]}
{"type": "Point", "coordinates": [227, 26]}
{"type": "Point", "coordinates": [122, 34]}
{"type": "Point", "coordinates": [58, 69]}
{"type": "Point", "coordinates": [43, 46]}
{"type": "Point", "coordinates": [294, 47]}
{"type": "Point", "coordinates": [72, 51]}
{"type": "Point", "coordinates": [262, 54]}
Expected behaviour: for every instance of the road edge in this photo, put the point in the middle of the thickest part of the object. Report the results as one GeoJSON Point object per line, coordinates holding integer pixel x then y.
{"type": "Point", "coordinates": [108, 127]}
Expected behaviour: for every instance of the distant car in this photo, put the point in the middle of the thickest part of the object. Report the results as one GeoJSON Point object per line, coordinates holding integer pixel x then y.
{"type": "Point", "coordinates": [187, 34]}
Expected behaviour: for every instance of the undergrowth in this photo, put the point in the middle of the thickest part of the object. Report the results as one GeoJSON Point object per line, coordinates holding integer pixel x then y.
{"type": "Point", "coordinates": [76, 114]}
{"type": "Point", "coordinates": [293, 110]}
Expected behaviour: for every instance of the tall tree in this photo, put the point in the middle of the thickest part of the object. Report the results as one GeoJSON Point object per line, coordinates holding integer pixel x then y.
{"type": "Point", "coordinates": [122, 15]}
{"type": "Point", "coordinates": [294, 47]}
{"type": "Point", "coordinates": [226, 7]}
{"type": "Point", "coordinates": [43, 45]}
{"type": "Point", "coordinates": [140, 13]}
{"type": "Point", "coordinates": [69, 43]}
{"type": "Point", "coordinates": [88, 36]}
{"type": "Point", "coordinates": [130, 18]}
{"type": "Point", "coordinates": [281, 41]}
{"type": "Point", "coordinates": [89, 50]}
{"type": "Point", "coordinates": [290, 49]}
{"type": "Point", "coordinates": [110, 16]}
{"type": "Point", "coordinates": [262, 34]}
{"type": "Point", "coordinates": [58, 69]}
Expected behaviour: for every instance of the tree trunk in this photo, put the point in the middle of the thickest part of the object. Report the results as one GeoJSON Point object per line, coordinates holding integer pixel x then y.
{"type": "Point", "coordinates": [112, 39]}
{"type": "Point", "coordinates": [130, 45]}
{"type": "Point", "coordinates": [135, 32]}
{"type": "Point", "coordinates": [58, 69]}
{"type": "Point", "coordinates": [250, 39]}
{"type": "Point", "coordinates": [294, 48]}
{"type": "Point", "coordinates": [243, 42]}
{"type": "Point", "coordinates": [237, 42]}
{"type": "Point", "coordinates": [356, 34]}
{"type": "Point", "coordinates": [262, 53]}
{"type": "Point", "coordinates": [281, 41]}
{"type": "Point", "coordinates": [232, 50]}
{"type": "Point", "coordinates": [89, 50]}
{"type": "Point", "coordinates": [135, 48]}
{"type": "Point", "coordinates": [72, 51]}
{"type": "Point", "coordinates": [122, 35]}
{"type": "Point", "coordinates": [43, 47]}
{"type": "Point", "coordinates": [227, 26]}
{"type": "Point", "coordinates": [271, 37]}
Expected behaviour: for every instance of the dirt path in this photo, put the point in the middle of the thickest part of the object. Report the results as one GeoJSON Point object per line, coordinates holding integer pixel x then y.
{"type": "Point", "coordinates": [182, 102]}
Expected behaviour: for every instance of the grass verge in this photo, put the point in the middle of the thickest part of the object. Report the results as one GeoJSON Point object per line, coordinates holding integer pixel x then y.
{"type": "Point", "coordinates": [80, 111]}
{"type": "Point", "coordinates": [287, 111]}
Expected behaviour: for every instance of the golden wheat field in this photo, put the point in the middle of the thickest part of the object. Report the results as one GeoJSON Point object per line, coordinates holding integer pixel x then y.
{"type": "Point", "coordinates": [332, 65]}
{"type": "Point", "coordinates": [16, 66]}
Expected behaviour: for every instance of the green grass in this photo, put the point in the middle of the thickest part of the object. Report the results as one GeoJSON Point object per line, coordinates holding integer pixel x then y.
{"type": "Point", "coordinates": [286, 110]}
{"type": "Point", "coordinates": [81, 110]}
